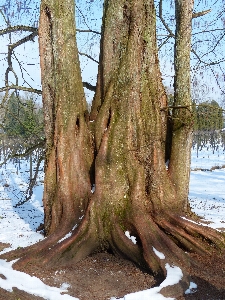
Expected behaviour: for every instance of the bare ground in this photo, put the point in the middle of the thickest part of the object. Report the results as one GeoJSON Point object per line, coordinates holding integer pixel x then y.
{"type": "Point", "coordinates": [102, 276]}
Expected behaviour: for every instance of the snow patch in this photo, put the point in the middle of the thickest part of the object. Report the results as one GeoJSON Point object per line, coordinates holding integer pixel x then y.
{"type": "Point", "coordinates": [167, 163]}
{"type": "Point", "coordinates": [132, 238]}
{"type": "Point", "coordinates": [192, 288]}
{"type": "Point", "coordinates": [93, 189]}
{"type": "Point", "coordinates": [30, 284]}
{"type": "Point", "coordinates": [159, 254]}
{"type": "Point", "coordinates": [174, 275]}
{"type": "Point", "coordinates": [68, 234]}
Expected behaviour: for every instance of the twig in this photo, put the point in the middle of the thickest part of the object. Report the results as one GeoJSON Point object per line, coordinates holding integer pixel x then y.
{"type": "Point", "coordinates": [20, 88]}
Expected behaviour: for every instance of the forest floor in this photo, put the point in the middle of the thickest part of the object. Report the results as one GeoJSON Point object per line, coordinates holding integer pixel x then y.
{"type": "Point", "coordinates": [103, 276]}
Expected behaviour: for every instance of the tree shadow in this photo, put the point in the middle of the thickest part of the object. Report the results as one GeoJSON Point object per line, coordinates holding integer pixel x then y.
{"type": "Point", "coordinates": [206, 290]}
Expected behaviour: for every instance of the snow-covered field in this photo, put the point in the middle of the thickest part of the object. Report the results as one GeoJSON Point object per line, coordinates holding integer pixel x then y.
{"type": "Point", "coordinates": [207, 188]}
{"type": "Point", "coordinates": [18, 225]}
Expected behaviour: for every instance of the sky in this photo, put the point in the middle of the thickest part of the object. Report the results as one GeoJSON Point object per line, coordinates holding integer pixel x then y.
{"type": "Point", "coordinates": [18, 225]}
{"type": "Point", "coordinates": [204, 80]}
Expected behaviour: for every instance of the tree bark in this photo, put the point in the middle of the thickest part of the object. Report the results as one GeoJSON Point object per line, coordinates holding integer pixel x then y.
{"type": "Point", "coordinates": [134, 190]}
{"type": "Point", "coordinates": [183, 121]}
{"type": "Point", "coordinates": [68, 141]}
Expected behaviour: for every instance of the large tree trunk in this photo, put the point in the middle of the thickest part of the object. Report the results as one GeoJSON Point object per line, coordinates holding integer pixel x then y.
{"type": "Point", "coordinates": [134, 191]}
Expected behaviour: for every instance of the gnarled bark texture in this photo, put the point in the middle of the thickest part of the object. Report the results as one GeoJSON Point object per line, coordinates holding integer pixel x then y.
{"type": "Point", "coordinates": [134, 190]}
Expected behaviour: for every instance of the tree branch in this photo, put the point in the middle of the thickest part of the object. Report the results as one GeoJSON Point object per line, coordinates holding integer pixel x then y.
{"type": "Point", "coordinates": [201, 13]}
{"type": "Point", "coordinates": [20, 88]}
{"type": "Point", "coordinates": [89, 86]}
{"type": "Point", "coordinates": [29, 191]}
{"type": "Point", "coordinates": [84, 54]}
{"type": "Point", "coordinates": [1, 12]}
{"type": "Point", "coordinates": [163, 21]}
{"type": "Point", "coordinates": [165, 41]}
{"type": "Point", "coordinates": [24, 40]}
{"type": "Point", "coordinates": [18, 28]}
{"type": "Point", "coordinates": [23, 69]}
{"type": "Point", "coordinates": [88, 30]}
{"type": "Point", "coordinates": [206, 63]}
{"type": "Point", "coordinates": [11, 47]}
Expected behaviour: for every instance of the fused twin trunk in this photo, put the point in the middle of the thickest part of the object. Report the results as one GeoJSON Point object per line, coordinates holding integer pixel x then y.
{"type": "Point", "coordinates": [123, 153]}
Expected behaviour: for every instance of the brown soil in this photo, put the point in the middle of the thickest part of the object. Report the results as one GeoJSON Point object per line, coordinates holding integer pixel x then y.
{"type": "Point", "coordinates": [102, 276]}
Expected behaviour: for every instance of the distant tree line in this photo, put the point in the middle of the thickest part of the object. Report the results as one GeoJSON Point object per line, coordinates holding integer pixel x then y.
{"type": "Point", "coordinates": [207, 115]}
{"type": "Point", "coordinates": [23, 118]}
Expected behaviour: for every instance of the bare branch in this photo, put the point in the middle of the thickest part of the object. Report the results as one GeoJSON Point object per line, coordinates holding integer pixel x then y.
{"type": "Point", "coordinates": [24, 40]}
{"type": "Point", "coordinates": [84, 54]}
{"type": "Point", "coordinates": [1, 12]}
{"type": "Point", "coordinates": [29, 191]}
{"type": "Point", "coordinates": [163, 21]}
{"type": "Point", "coordinates": [217, 81]}
{"type": "Point", "coordinates": [18, 28]}
{"type": "Point", "coordinates": [15, 154]}
{"type": "Point", "coordinates": [23, 69]}
{"type": "Point", "coordinates": [20, 88]}
{"type": "Point", "coordinates": [201, 13]}
{"type": "Point", "coordinates": [165, 41]}
{"type": "Point", "coordinates": [89, 86]}
{"type": "Point", "coordinates": [208, 31]}
{"type": "Point", "coordinates": [216, 44]}
{"type": "Point", "coordinates": [206, 63]}
{"type": "Point", "coordinates": [88, 30]}
{"type": "Point", "coordinates": [11, 47]}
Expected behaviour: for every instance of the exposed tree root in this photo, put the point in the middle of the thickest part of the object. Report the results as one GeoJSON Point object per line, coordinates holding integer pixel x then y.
{"type": "Point", "coordinates": [190, 236]}
{"type": "Point", "coordinates": [168, 234]}
{"type": "Point", "coordinates": [58, 248]}
{"type": "Point", "coordinates": [123, 246]}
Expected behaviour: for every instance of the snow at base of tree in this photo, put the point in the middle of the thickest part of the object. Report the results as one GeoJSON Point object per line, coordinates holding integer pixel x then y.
{"type": "Point", "coordinates": [19, 224]}
{"type": "Point", "coordinates": [30, 284]}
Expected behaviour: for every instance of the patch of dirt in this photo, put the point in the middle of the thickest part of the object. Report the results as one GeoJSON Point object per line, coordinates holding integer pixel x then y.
{"type": "Point", "coordinates": [209, 274]}
{"type": "Point", "coordinates": [102, 276]}
{"type": "Point", "coordinates": [98, 277]}
{"type": "Point", "coordinates": [3, 246]}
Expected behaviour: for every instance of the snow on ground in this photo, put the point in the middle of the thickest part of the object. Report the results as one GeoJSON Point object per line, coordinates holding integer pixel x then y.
{"type": "Point", "coordinates": [18, 224]}
{"type": "Point", "coordinates": [207, 188]}
{"type": "Point", "coordinates": [30, 284]}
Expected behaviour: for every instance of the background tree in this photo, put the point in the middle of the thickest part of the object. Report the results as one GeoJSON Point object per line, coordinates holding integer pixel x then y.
{"type": "Point", "coordinates": [123, 153]}
{"type": "Point", "coordinates": [209, 116]}
{"type": "Point", "coordinates": [206, 115]}
{"type": "Point", "coordinates": [23, 119]}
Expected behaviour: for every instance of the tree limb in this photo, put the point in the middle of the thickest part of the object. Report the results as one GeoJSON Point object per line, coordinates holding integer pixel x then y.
{"type": "Point", "coordinates": [89, 86]}
{"type": "Point", "coordinates": [84, 54]}
{"type": "Point", "coordinates": [165, 41]}
{"type": "Point", "coordinates": [88, 30]}
{"type": "Point", "coordinates": [29, 191]}
{"type": "Point", "coordinates": [24, 40]}
{"type": "Point", "coordinates": [6, 21]}
{"type": "Point", "coordinates": [206, 63]}
{"type": "Point", "coordinates": [201, 13]}
{"type": "Point", "coordinates": [163, 21]}
{"type": "Point", "coordinates": [20, 88]}
{"type": "Point", "coordinates": [18, 28]}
